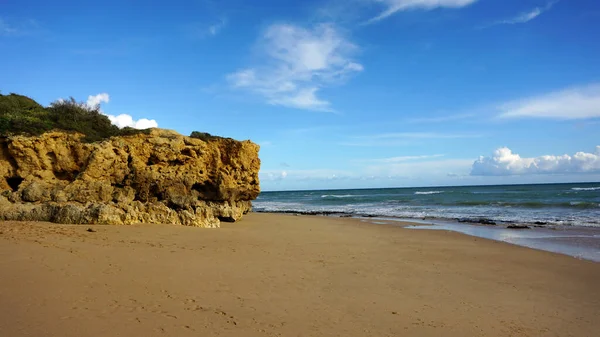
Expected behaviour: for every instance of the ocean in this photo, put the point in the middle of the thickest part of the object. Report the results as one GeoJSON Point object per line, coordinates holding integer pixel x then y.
{"type": "Point", "coordinates": [576, 204]}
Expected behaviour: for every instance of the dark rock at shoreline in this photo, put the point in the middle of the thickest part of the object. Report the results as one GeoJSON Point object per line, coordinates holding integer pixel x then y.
{"type": "Point", "coordinates": [482, 221]}
{"type": "Point", "coordinates": [518, 227]}
{"type": "Point", "coordinates": [320, 213]}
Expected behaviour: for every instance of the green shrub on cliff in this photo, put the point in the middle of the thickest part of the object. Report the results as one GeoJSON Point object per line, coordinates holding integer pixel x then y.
{"type": "Point", "coordinates": [22, 115]}
{"type": "Point", "coordinates": [205, 136]}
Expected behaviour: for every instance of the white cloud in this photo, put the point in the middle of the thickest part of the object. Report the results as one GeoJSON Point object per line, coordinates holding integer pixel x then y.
{"type": "Point", "coordinates": [574, 103]}
{"type": "Point", "coordinates": [298, 63]}
{"type": "Point", "coordinates": [96, 100]}
{"type": "Point", "coordinates": [394, 6]}
{"type": "Point", "coordinates": [122, 120]}
{"type": "Point", "coordinates": [504, 162]}
{"type": "Point", "coordinates": [529, 15]}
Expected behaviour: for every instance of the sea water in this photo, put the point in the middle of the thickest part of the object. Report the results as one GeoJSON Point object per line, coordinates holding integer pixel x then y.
{"type": "Point", "coordinates": [541, 205]}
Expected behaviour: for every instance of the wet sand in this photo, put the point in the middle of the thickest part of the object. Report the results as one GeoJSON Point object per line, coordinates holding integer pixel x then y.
{"type": "Point", "coordinates": [284, 275]}
{"type": "Point", "coordinates": [579, 242]}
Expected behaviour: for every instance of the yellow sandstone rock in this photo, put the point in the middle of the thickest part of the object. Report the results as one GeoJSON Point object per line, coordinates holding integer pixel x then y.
{"type": "Point", "coordinates": [160, 177]}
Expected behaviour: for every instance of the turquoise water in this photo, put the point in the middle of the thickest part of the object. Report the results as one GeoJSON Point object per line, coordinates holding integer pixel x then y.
{"type": "Point", "coordinates": [542, 205]}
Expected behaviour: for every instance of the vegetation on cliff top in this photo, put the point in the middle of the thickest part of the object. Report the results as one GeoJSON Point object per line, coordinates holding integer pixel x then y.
{"type": "Point", "coordinates": [21, 115]}
{"type": "Point", "coordinates": [205, 136]}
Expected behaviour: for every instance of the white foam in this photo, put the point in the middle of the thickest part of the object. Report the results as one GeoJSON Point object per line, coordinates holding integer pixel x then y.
{"type": "Point", "coordinates": [428, 192]}
{"type": "Point", "coordinates": [586, 188]}
{"type": "Point", "coordinates": [338, 196]}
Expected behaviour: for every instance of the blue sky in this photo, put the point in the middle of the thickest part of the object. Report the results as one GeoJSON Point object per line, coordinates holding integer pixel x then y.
{"type": "Point", "coordinates": [339, 94]}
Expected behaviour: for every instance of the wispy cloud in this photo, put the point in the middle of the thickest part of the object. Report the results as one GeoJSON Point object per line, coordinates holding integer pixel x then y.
{"type": "Point", "coordinates": [375, 174]}
{"type": "Point", "coordinates": [19, 28]}
{"type": "Point", "coordinates": [6, 29]}
{"type": "Point", "coordinates": [272, 175]}
{"type": "Point", "coordinates": [419, 169]}
{"type": "Point", "coordinates": [375, 143]}
{"type": "Point", "coordinates": [441, 119]}
{"type": "Point", "coordinates": [403, 138]}
{"type": "Point", "coordinates": [316, 174]}
{"type": "Point", "coordinates": [217, 27]}
{"type": "Point", "coordinates": [122, 120]}
{"type": "Point", "coordinates": [203, 30]}
{"type": "Point", "coordinates": [574, 103]}
{"type": "Point", "coordinates": [421, 135]}
{"type": "Point", "coordinates": [394, 6]}
{"type": "Point", "coordinates": [402, 159]}
{"type": "Point", "coordinates": [504, 162]}
{"type": "Point", "coordinates": [298, 63]}
{"type": "Point", "coordinates": [265, 143]}
{"type": "Point", "coordinates": [309, 131]}
{"type": "Point", "coordinates": [526, 16]}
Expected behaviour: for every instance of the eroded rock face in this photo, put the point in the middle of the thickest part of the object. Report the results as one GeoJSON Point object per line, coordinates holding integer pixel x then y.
{"type": "Point", "coordinates": [161, 177]}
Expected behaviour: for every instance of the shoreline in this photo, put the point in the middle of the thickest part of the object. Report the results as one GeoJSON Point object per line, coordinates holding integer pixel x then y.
{"type": "Point", "coordinates": [283, 275]}
{"type": "Point", "coordinates": [475, 220]}
{"type": "Point", "coordinates": [575, 241]}
{"type": "Point", "coordinates": [579, 243]}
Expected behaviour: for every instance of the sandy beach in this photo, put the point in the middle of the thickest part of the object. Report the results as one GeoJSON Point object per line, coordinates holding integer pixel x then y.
{"type": "Point", "coordinates": [285, 275]}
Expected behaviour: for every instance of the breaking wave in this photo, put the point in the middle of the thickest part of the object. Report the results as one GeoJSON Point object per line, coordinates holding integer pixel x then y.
{"type": "Point", "coordinates": [338, 196]}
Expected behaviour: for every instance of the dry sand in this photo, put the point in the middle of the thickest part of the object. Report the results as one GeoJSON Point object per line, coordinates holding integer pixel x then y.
{"type": "Point", "coordinates": [279, 275]}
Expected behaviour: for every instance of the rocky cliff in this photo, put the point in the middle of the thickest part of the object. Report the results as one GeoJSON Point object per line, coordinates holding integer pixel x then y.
{"type": "Point", "coordinates": [159, 177]}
